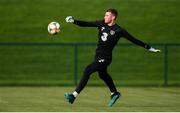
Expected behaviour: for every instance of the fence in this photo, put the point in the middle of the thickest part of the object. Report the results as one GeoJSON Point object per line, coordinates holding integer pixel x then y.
{"type": "Point", "coordinates": [38, 64]}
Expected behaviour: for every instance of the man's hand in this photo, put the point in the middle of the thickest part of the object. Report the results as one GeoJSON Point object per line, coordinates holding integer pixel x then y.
{"type": "Point", "coordinates": [69, 19]}
{"type": "Point", "coordinates": [154, 50]}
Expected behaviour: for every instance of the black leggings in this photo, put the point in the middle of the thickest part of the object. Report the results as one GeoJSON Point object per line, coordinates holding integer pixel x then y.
{"type": "Point", "coordinates": [101, 68]}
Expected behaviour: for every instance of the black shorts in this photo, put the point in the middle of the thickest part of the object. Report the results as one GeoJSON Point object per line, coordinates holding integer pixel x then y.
{"type": "Point", "coordinates": [102, 59]}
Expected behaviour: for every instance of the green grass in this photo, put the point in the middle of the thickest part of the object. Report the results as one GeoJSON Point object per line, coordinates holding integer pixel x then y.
{"type": "Point", "coordinates": [154, 21]}
{"type": "Point", "coordinates": [34, 99]}
{"type": "Point", "coordinates": [54, 65]}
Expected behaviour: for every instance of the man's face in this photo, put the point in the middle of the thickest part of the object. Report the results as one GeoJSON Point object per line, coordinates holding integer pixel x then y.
{"type": "Point", "coordinates": [109, 17]}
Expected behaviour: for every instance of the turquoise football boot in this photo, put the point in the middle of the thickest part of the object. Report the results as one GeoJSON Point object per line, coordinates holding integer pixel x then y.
{"type": "Point", "coordinates": [69, 97]}
{"type": "Point", "coordinates": [114, 98]}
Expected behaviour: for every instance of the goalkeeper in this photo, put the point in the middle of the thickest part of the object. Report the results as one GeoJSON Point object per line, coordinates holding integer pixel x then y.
{"type": "Point", "coordinates": [109, 34]}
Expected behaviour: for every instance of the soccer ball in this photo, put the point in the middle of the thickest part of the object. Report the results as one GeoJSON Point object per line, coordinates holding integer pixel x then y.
{"type": "Point", "coordinates": [53, 28]}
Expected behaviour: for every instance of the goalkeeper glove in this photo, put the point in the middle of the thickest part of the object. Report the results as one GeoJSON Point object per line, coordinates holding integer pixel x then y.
{"type": "Point", "coordinates": [154, 50]}
{"type": "Point", "coordinates": [69, 19]}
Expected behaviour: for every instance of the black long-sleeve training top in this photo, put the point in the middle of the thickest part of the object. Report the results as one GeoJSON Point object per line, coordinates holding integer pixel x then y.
{"type": "Point", "coordinates": [109, 36]}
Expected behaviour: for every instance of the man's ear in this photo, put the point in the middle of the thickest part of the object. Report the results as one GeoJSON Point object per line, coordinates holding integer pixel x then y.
{"type": "Point", "coordinates": [113, 17]}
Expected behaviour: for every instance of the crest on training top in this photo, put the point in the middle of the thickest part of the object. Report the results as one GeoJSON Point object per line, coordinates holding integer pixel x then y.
{"type": "Point", "coordinates": [112, 32]}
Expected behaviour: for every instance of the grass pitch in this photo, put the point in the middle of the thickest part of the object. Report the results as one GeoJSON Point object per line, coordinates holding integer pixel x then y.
{"type": "Point", "coordinates": [34, 99]}
{"type": "Point", "coordinates": [153, 21]}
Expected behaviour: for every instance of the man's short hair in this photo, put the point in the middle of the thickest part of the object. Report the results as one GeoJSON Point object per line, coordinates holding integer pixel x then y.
{"type": "Point", "coordinates": [113, 11]}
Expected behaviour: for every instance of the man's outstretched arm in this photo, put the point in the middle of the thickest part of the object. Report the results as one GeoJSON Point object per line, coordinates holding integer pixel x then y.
{"type": "Point", "coordinates": [138, 42]}
{"type": "Point", "coordinates": [71, 19]}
